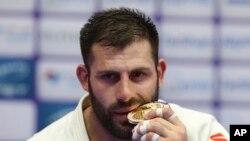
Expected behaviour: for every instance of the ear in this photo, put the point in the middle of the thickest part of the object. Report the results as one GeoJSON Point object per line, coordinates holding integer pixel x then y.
{"type": "Point", "coordinates": [161, 68]}
{"type": "Point", "coordinates": [82, 75]}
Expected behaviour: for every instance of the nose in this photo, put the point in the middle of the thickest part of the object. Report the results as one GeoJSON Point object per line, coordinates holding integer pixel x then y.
{"type": "Point", "coordinates": [124, 89]}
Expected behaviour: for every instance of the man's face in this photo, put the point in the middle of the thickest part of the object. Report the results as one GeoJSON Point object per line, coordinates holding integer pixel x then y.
{"type": "Point", "coordinates": [120, 80]}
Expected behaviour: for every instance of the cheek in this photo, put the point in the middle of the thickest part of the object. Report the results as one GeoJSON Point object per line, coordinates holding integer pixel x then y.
{"type": "Point", "coordinates": [148, 89]}
{"type": "Point", "coordinates": [102, 93]}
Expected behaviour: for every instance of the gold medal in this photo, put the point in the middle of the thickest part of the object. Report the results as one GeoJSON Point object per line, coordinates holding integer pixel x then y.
{"type": "Point", "coordinates": [137, 115]}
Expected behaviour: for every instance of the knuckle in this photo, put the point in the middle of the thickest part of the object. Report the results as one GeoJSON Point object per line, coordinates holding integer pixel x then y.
{"type": "Point", "coordinates": [182, 132]}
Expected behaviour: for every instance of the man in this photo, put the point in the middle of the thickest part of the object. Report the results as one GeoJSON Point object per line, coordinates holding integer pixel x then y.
{"type": "Point", "coordinates": [122, 72]}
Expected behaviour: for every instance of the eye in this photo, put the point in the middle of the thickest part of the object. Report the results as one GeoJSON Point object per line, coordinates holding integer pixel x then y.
{"type": "Point", "coordinates": [110, 77]}
{"type": "Point", "coordinates": [137, 75]}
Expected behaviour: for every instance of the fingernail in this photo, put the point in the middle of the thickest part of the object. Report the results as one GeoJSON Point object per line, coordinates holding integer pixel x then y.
{"type": "Point", "coordinates": [135, 135]}
{"type": "Point", "coordinates": [143, 138]}
{"type": "Point", "coordinates": [143, 128]}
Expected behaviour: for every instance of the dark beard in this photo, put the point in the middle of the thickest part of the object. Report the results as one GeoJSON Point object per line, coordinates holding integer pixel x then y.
{"type": "Point", "coordinates": [122, 130]}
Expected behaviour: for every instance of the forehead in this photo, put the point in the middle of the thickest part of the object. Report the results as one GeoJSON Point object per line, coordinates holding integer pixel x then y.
{"type": "Point", "coordinates": [132, 55]}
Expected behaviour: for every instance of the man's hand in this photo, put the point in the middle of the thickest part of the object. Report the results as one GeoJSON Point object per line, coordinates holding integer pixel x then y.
{"type": "Point", "coordinates": [160, 125]}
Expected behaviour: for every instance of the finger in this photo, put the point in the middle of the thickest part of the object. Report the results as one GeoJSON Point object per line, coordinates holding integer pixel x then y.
{"type": "Point", "coordinates": [150, 137]}
{"type": "Point", "coordinates": [166, 113]}
{"type": "Point", "coordinates": [143, 127]}
{"type": "Point", "coordinates": [135, 135]}
{"type": "Point", "coordinates": [140, 129]}
{"type": "Point", "coordinates": [155, 137]}
{"type": "Point", "coordinates": [159, 112]}
{"type": "Point", "coordinates": [172, 117]}
{"type": "Point", "coordinates": [160, 126]}
{"type": "Point", "coordinates": [157, 125]}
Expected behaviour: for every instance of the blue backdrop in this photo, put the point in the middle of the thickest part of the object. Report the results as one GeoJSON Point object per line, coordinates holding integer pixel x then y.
{"type": "Point", "coordinates": [205, 42]}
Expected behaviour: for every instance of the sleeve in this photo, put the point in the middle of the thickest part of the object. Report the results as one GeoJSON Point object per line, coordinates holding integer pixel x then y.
{"type": "Point", "coordinates": [218, 132]}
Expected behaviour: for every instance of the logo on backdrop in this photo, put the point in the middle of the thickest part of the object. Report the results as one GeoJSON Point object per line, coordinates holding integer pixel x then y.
{"type": "Point", "coordinates": [16, 78]}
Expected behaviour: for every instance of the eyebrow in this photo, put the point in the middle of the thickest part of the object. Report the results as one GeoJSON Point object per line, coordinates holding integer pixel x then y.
{"type": "Point", "coordinates": [141, 69]}
{"type": "Point", "coordinates": [114, 71]}
{"type": "Point", "coordinates": [106, 71]}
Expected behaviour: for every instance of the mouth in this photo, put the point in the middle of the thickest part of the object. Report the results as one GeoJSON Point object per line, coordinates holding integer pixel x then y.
{"type": "Point", "coordinates": [125, 110]}
{"type": "Point", "coordinates": [121, 113]}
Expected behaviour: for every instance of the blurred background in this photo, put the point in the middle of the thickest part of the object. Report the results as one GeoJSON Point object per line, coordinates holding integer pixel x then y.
{"type": "Point", "coordinates": [206, 44]}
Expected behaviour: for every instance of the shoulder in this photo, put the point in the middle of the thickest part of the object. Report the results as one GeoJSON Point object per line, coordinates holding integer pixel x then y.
{"type": "Point", "coordinates": [190, 114]}
{"type": "Point", "coordinates": [70, 127]}
{"type": "Point", "coordinates": [192, 119]}
{"type": "Point", "coordinates": [199, 125]}
{"type": "Point", "coordinates": [55, 131]}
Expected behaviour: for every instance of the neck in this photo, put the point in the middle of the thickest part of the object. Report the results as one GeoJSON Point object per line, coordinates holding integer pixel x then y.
{"type": "Point", "coordinates": [95, 130]}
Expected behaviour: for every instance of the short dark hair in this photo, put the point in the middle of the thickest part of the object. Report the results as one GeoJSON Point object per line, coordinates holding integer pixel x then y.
{"type": "Point", "coordinates": [118, 27]}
